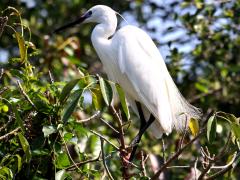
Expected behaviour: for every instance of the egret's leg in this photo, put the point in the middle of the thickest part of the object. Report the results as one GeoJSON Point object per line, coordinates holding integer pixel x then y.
{"type": "Point", "coordinates": [143, 127]}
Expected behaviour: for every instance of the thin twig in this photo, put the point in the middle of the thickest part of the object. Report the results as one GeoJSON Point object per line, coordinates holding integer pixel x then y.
{"type": "Point", "coordinates": [1, 73]}
{"type": "Point", "coordinates": [13, 132]}
{"type": "Point", "coordinates": [90, 118]}
{"type": "Point", "coordinates": [172, 167]}
{"type": "Point", "coordinates": [144, 172]}
{"type": "Point", "coordinates": [104, 160]}
{"type": "Point", "coordinates": [73, 167]}
{"type": "Point", "coordinates": [99, 135]}
{"type": "Point", "coordinates": [211, 160]}
{"type": "Point", "coordinates": [51, 77]}
{"type": "Point", "coordinates": [69, 155]}
{"type": "Point", "coordinates": [25, 94]}
{"type": "Point", "coordinates": [110, 126]}
{"type": "Point", "coordinates": [195, 169]}
{"type": "Point", "coordinates": [184, 134]}
{"type": "Point", "coordinates": [6, 124]}
{"type": "Point", "coordinates": [163, 151]}
{"type": "Point", "coordinates": [223, 171]}
{"type": "Point", "coordinates": [3, 90]}
{"type": "Point", "coordinates": [121, 133]}
{"type": "Point", "coordinates": [175, 156]}
{"type": "Point", "coordinates": [199, 96]}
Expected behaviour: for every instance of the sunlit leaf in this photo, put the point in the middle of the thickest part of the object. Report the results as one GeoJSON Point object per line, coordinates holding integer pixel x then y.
{"type": "Point", "coordinates": [211, 128]}
{"type": "Point", "coordinates": [106, 90]}
{"type": "Point", "coordinates": [67, 89]}
{"type": "Point", "coordinates": [62, 160]}
{"type": "Point", "coordinates": [22, 47]}
{"type": "Point", "coordinates": [25, 147]}
{"type": "Point", "coordinates": [236, 130]}
{"type": "Point", "coordinates": [194, 126]}
{"type": "Point", "coordinates": [6, 173]}
{"type": "Point", "coordinates": [228, 117]}
{"type": "Point", "coordinates": [48, 130]}
{"type": "Point", "coordinates": [97, 99]}
{"type": "Point", "coordinates": [71, 106]}
{"type": "Point", "coordinates": [19, 162]}
{"type": "Point", "coordinates": [67, 136]}
{"type": "Point", "coordinates": [123, 101]}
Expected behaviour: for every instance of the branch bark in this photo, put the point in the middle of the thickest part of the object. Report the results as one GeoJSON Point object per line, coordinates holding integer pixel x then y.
{"type": "Point", "coordinates": [175, 156]}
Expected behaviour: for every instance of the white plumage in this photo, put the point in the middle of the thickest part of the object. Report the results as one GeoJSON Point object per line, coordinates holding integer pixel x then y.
{"type": "Point", "coordinates": [131, 59]}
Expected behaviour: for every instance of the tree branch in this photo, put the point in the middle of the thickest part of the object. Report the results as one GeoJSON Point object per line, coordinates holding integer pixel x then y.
{"type": "Point", "coordinates": [9, 134]}
{"type": "Point", "coordinates": [99, 135]}
{"type": "Point", "coordinates": [104, 160]}
{"type": "Point", "coordinates": [175, 156]}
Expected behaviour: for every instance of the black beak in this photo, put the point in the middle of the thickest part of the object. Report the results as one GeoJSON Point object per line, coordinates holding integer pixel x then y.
{"type": "Point", "coordinates": [78, 21]}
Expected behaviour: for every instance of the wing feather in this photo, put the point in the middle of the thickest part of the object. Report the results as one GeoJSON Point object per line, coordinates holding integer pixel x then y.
{"type": "Point", "coordinates": [140, 60]}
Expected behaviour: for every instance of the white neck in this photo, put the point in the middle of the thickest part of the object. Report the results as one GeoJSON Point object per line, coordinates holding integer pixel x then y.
{"type": "Point", "coordinates": [103, 31]}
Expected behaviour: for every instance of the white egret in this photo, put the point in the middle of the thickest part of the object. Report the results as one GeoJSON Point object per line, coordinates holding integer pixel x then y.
{"type": "Point", "coordinates": [130, 58]}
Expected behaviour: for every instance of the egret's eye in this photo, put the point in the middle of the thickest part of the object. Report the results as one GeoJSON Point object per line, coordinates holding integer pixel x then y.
{"type": "Point", "coordinates": [90, 13]}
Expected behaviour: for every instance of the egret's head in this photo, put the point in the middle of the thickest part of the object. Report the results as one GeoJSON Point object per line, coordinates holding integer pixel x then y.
{"type": "Point", "coordinates": [97, 14]}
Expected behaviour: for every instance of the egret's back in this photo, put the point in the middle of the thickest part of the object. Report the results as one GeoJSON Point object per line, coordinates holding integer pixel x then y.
{"type": "Point", "coordinates": [140, 60]}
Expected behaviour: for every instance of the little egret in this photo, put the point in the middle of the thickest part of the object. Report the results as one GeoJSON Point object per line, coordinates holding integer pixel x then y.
{"type": "Point", "coordinates": [130, 58]}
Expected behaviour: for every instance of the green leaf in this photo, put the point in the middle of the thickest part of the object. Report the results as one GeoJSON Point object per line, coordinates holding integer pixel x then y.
{"type": "Point", "coordinates": [25, 147]}
{"type": "Point", "coordinates": [201, 87]}
{"type": "Point", "coordinates": [62, 160]}
{"type": "Point", "coordinates": [123, 100]}
{"type": "Point", "coordinates": [48, 130]}
{"type": "Point", "coordinates": [211, 128]}
{"type": "Point", "coordinates": [19, 162]}
{"type": "Point", "coordinates": [5, 173]}
{"type": "Point", "coordinates": [106, 90]}
{"type": "Point", "coordinates": [97, 99]}
{"type": "Point", "coordinates": [22, 47]}
{"type": "Point", "coordinates": [228, 117]}
{"type": "Point", "coordinates": [71, 106]}
{"type": "Point", "coordinates": [67, 89]}
{"type": "Point", "coordinates": [18, 118]}
{"type": "Point", "coordinates": [236, 130]}
{"type": "Point", "coordinates": [67, 136]}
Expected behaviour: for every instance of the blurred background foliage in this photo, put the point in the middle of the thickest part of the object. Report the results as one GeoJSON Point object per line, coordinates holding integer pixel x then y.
{"type": "Point", "coordinates": [40, 105]}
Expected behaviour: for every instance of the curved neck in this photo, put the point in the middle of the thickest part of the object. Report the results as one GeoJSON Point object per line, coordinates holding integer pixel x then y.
{"type": "Point", "coordinates": [104, 30]}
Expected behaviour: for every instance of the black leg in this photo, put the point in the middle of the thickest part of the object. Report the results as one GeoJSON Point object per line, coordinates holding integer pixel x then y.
{"type": "Point", "coordinates": [143, 127]}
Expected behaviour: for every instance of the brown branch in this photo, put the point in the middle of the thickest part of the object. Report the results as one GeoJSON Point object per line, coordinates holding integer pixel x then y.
{"type": "Point", "coordinates": [120, 126]}
{"type": "Point", "coordinates": [6, 124]}
{"type": "Point", "coordinates": [104, 160]}
{"type": "Point", "coordinates": [213, 159]}
{"type": "Point", "coordinates": [175, 156]}
{"type": "Point", "coordinates": [9, 134]}
{"type": "Point", "coordinates": [3, 90]}
{"type": "Point", "coordinates": [226, 169]}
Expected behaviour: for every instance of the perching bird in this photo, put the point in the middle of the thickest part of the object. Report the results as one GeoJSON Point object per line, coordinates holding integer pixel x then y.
{"type": "Point", "coordinates": [130, 58]}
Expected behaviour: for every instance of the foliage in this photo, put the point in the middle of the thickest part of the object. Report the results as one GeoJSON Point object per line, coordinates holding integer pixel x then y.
{"type": "Point", "coordinates": [57, 120]}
